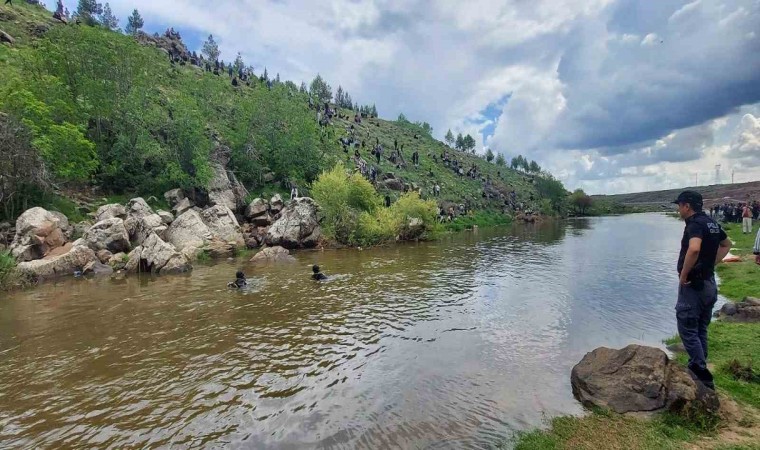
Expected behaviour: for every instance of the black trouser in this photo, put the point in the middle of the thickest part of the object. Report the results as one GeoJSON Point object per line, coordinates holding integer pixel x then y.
{"type": "Point", "coordinates": [693, 315]}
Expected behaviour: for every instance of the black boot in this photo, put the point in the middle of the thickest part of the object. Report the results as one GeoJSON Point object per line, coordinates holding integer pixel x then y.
{"type": "Point", "coordinates": [702, 375]}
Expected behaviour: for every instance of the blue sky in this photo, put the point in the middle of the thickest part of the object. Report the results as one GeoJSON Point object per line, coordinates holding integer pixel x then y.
{"type": "Point", "coordinates": [609, 95]}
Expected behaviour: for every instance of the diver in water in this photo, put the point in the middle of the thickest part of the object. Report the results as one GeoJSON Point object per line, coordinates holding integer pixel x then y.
{"type": "Point", "coordinates": [317, 275]}
{"type": "Point", "coordinates": [240, 281]}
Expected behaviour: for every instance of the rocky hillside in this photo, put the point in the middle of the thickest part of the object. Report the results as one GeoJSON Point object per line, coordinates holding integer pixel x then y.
{"type": "Point", "coordinates": [111, 116]}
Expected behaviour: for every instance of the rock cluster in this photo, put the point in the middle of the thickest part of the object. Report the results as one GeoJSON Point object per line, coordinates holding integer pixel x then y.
{"type": "Point", "coordinates": [747, 310]}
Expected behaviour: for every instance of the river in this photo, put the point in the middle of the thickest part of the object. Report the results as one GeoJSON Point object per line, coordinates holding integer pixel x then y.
{"type": "Point", "coordinates": [451, 344]}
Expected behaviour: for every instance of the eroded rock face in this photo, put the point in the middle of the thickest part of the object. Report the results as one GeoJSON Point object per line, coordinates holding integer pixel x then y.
{"type": "Point", "coordinates": [637, 379]}
{"type": "Point", "coordinates": [188, 230]}
{"type": "Point", "coordinates": [38, 231]}
{"type": "Point", "coordinates": [224, 188]}
{"type": "Point", "coordinates": [74, 260]}
{"type": "Point", "coordinates": [258, 212]}
{"type": "Point", "coordinates": [297, 226]}
{"type": "Point", "coordinates": [157, 256]}
{"type": "Point", "coordinates": [108, 234]}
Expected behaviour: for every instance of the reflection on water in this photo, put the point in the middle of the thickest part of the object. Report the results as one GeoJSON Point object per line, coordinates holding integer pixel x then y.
{"type": "Point", "coordinates": [451, 344]}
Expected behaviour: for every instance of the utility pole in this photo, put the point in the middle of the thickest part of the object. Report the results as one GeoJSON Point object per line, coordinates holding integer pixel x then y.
{"type": "Point", "coordinates": [717, 174]}
{"type": "Point", "coordinates": [732, 176]}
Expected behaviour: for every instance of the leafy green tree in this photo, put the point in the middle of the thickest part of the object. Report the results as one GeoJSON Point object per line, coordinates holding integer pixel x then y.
{"type": "Point", "coordinates": [238, 65]}
{"type": "Point", "coordinates": [68, 152]}
{"type": "Point", "coordinates": [459, 142]}
{"type": "Point", "coordinates": [320, 90]}
{"type": "Point", "coordinates": [500, 161]}
{"type": "Point", "coordinates": [339, 96]}
{"type": "Point", "coordinates": [514, 163]}
{"type": "Point", "coordinates": [534, 167]}
{"type": "Point", "coordinates": [303, 88]}
{"type": "Point", "coordinates": [489, 155]}
{"type": "Point", "coordinates": [211, 49]}
{"type": "Point", "coordinates": [552, 189]}
{"type": "Point", "coordinates": [402, 118]}
{"type": "Point", "coordinates": [108, 19]}
{"type": "Point", "coordinates": [373, 111]}
{"type": "Point", "coordinates": [580, 201]}
{"type": "Point", "coordinates": [469, 144]}
{"type": "Point", "coordinates": [134, 23]}
{"type": "Point", "coordinates": [449, 138]}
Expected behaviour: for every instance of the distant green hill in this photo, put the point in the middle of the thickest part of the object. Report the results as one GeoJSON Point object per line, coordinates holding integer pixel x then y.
{"type": "Point", "coordinates": [96, 108]}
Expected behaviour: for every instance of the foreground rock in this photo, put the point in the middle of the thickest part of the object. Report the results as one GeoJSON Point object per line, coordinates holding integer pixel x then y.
{"type": "Point", "coordinates": [223, 224]}
{"type": "Point", "coordinates": [224, 189]}
{"type": "Point", "coordinates": [747, 310]}
{"type": "Point", "coordinates": [157, 256]}
{"type": "Point", "coordinates": [273, 254]}
{"type": "Point", "coordinates": [638, 379]}
{"type": "Point", "coordinates": [38, 231]}
{"type": "Point", "coordinates": [75, 260]}
{"type": "Point", "coordinates": [297, 226]}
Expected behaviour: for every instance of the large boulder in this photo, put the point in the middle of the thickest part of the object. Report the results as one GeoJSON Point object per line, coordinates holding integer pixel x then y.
{"type": "Point", "coordinates": [223, 224]}
{"type": "Point", "coordinates": [174, 196]}
{"type": "Point", "coordinates": [183, 205]}
{"type": "Point", "coordinates": [157, 256]}
{"type": "Point", "coordinates": [276, 204]}
{"type": "Point", "coordinates": [188, 230]}
{"type": "Point", "coordinates": [638, 379]}
{"type": "Point", "coordinates": [108, 234]}
{"type": "Point", "coordinates": [394, 184]}
{"type": "Point", "coordinates": [166, 217]}
{"type": "Point", "coordinates": [747, 310]}
{"type": "Point", "coordinates": [297, 226]}
{"type": "Point", "coordinates": [137, 207]}
{"type": "Point", "coordinates": [37, 232]}
{"type": "Point", "coordinates": [257, 210]}
{"type": "Point", "coordinates": [72, 261]}
{"type": "Point", "coordinates": [273, 254]}
{"type": "Point", "coordinates": [141, 225]}
{"type": "Point", "coordinates": [110, 211]}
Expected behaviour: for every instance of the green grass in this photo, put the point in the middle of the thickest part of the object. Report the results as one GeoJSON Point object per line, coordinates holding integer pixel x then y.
{"type": "Point", "coordinates": [7, 268]}
{"type": "Point", "coordinates": [739, 280]}
{"type": "Point", "coordinates": [482, 219]}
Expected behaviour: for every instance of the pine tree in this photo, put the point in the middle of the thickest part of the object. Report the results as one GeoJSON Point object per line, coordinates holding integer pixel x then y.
{"type": "Point", "coordinates": [449, 138]}
{"type": "Point", "coordinates": [339, 97]}
{"type": "Point", "coordinates": [303, 89]}
{"type": "Point", "coordinates": [500, 161]}
{"type": "Point", "coordinates": [321, 90]}
{"type": "Point", "coordinates": [239, 64]}
{"type": "Point", "coordinates": [134, 23]}
{"type": "Point", "coordinates": [277, 78]}
{"type": "Point", "coordinates": [469, 143]}
{"type": "Point", "coordinates": [211, 48]}
{"type": "Point", "coordinates": [534, 167]}
{"type": "Point", "coordinates": [489, 155]}
{"type": "Point", "coordinates": [88, 10]}
{"type": "Point", "coordinates": [107, 18]}
{"type": "Point", "coordinates": [459, 142]}
{"type": "Point", "coordinates": [374, 111]}
{"type": "Point", "coordinates": [265, 75]}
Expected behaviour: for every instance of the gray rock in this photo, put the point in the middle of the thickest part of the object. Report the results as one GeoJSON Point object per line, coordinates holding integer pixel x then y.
{"type": "Point", "coordinates": [637, 379]}
{"type": "Point", "coordinates": [224, 188]}
{"type": "Point", "coordinates": [6, 38]}
{"type": "Point", "coordinates": [182, 206]}
{"type": "Point", "coordinates": [188, 230]}
{"type": "Point", "coordinates": [729, 309]}
{"type": "Point", "coordinates": [273, 254]}
{"type": "Point", "coordinates": [110, 211]}
{"type": "Point", "coordinates": [38, 231]}
{"type": "Point", "coordinates": [137, 207]}
{"type": "Point", "coordinates": [256, 208]}
{"type": "Point", "coordinates": [222, 224]}
{"type": "Point", "coordinates": [108, 234]}
{"type": "Point", "coordinates": [157, 256]}
{"type": "Point", "coordinates": [97, 268]}
{"type": "Point", "coordinates": [73, 260]}
{"type": "Point", "coordinates": [174, 196]}
{"type": "Point", "coordinates": [104, 256]}
{"type": "Point", "coordinates": [747, 310]}
{"type": "Point", "coordinates": [297, 226]}
{"type": "Point", "coordinates": [140, 227]}
{"type": "Point", "coordinates": [751, 301]}
{"type": "Point", "coordinates": [276, 204]}
{"type": "Point", "coordinates": [393, 184]}
{"type": "Point", "coordinates": [166, 217]}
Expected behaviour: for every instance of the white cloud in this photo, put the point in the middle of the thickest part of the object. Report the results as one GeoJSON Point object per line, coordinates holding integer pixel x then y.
{"type": "Point", "coordinates": [650, 39]}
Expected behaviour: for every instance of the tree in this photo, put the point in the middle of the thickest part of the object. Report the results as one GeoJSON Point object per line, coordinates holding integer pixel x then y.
{"type": "Point", "coordinates": [459, 142]}
{"type": "Point", "coordinates": [88, 10]}
{"type": "Point", "coordinates": [580, 201]}
{"type": "Point", "coordinates": [489, 155]}
{"type": "Point", "coordinates": [469, 143]}
{"type": "Point", "coordinates": [500, 161]}
{"type": "Point", "coordinates": [339, 96]}
{"type": "Point", "coordinates": [211, 48]}
{"type": "Point", "coordinates": [373, 111]}
{"type": "Point", "coordinates": [134, 23]}
{"type": "Point", "coordinates": [402, 118]}
{"type": "Point", "coordinates": [303, 88]}
{"type": "Point", "coordinates": [534, 167]}
{"type": "Point", "coordinates": [320, 90]}
{"type": "Point", "coordinates": [514, 163]}
{"type": "Point", "coordinates": [239, 64]}
{"type": "Point", "coordinates": [449, 138]}
{"type": "Point", "coordinates": [107, 18]}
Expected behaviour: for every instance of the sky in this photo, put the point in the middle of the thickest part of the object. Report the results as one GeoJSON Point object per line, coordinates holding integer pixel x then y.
{"type": "Point", "coordinates": [610, 96]}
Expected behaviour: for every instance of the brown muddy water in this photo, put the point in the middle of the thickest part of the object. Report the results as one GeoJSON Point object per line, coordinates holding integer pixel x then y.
{"type": "Point", "coordinates": [451, 344]}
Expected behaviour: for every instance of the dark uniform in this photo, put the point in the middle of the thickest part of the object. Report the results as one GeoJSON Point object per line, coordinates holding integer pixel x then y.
{"type": "Point", "coordinates": [696, 299]}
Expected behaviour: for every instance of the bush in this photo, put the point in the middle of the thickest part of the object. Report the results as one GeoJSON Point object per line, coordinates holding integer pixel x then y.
{"type": "Point", "coordinates": [7, 267]}
{"type": "Point", "coordinates": [353, 214]}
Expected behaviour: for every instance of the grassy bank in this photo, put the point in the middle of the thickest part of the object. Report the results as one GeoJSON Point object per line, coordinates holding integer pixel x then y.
{"type": "Point", "coordinates": [482, 219]}
{"type": "Point", "coordinates": [730, 344]}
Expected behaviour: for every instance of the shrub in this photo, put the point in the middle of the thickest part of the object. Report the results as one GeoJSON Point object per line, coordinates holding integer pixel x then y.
{"type": "Point", "coordinates": [7, 267]}
{"type": "Point", "coordinates": [409, 207]}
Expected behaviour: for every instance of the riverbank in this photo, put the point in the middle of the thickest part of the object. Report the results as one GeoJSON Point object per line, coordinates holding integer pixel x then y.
{"type": "Point", "coordinates": [738, 426]}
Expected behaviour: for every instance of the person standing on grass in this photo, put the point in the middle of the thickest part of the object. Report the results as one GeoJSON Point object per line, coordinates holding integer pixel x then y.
{"type": "Point", "coordinates": [704, 244]}
{"type": "Point", "coordinates": [756, 248]}
{"type": "Point", "coordinates": [746, 219]}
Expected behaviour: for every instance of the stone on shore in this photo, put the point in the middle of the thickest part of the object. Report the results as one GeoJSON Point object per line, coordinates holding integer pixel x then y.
{"type": "Point", "coordinates": [638, 379]}
{"type": "Point", "coordinates": [108, 234]}
{"type": "Point", "coordinates": [273, 254]}
{"type": "Point", "coordinates": [297, 226]}
{"type": "Point", "coordinates": [747, 310]}
{"type": "Point", "coordinates": [157, 256]}
{"type": "Point", "coordinates": [188, 230]}
{"type": "Point", "coordinates": [110, 211]}
{"type": "Point", "coordinates": [66, 264]}
{"type": "Point", "coordinates": [38, 231]}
